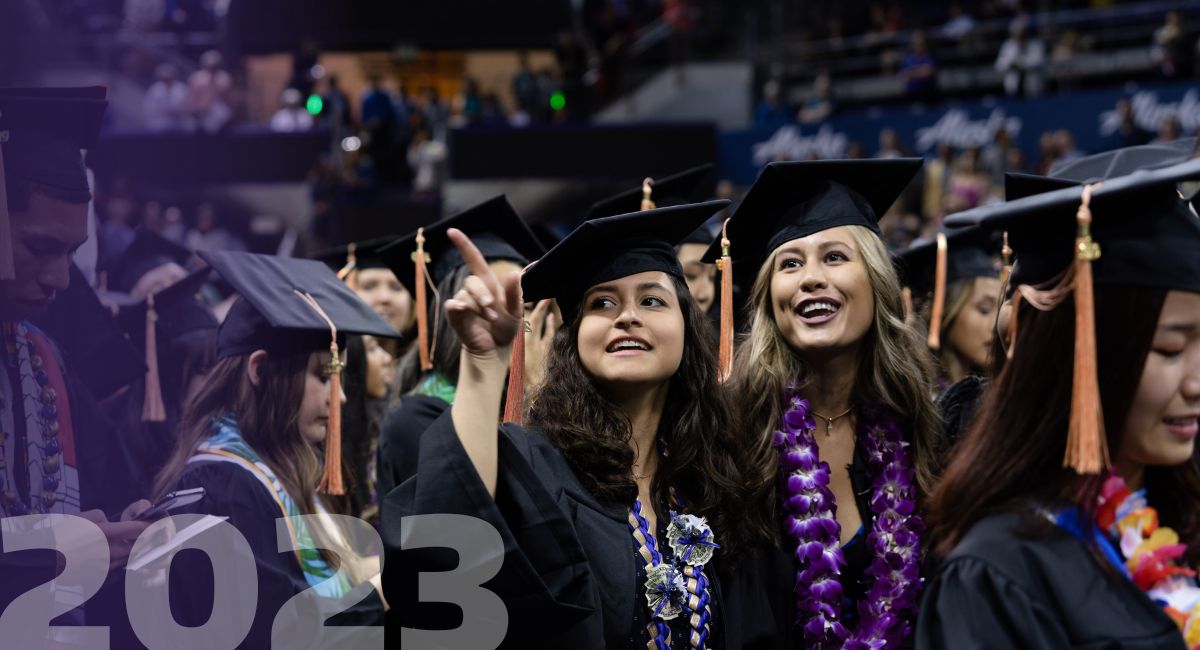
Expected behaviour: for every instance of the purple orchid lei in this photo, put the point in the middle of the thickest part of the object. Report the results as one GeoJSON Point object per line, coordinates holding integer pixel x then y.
{"type": "Point", "coordinates": [886, 612]}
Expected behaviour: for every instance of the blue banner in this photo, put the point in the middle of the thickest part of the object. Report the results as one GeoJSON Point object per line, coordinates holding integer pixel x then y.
{"type": "Point", "coordinates": [1090, 116]}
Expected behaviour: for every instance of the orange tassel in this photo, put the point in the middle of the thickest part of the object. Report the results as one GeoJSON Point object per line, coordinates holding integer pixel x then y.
{"type": "Point", "coordinates": [153, 409]}
{"type": "Point", "coordinates": [420, 259]}
{"type": "Point", "coordinates": [347, 273]}
{"type": "Point", "coordinates": [906, 298]}
{"type": "Point", "coordinates": [725, 343]}
{"type": "Point", "coordinates": [331, 479]}
{"type": "Point", "coordinates": [514, 404]}
{"type": "Point", "coordinates": [8, 269]}
{"type": "Point", "coordinates": [939, 295]}
{"type": "Point", "coordinates": [1006, 271]}
{"type": "Point", "coordinates": [1087, 448]}
{"type": "Point", "coordinates": [647, 183]}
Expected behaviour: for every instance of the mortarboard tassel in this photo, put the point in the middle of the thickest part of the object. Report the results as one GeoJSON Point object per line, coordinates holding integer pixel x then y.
{"type": "Point", "coordinates": [1012, 326]}
{"type": "Point", "coordinates": [725, 343]}
{"type": "Point", "coordinates": [347, 273]}
{"type": "Point", "coordinates": [1087, 448]}
{"type": "Point", "coordinates": [514, 403]}
{"type": "Point", "coordinates": [1006, 253]}
{"type": "Point", "coordinates": [331, 478]}
{"type": "Point", "coordinates": [420, 259]}
{"type": "Point", "coordinates": [153, 409]}
{"type": "Point", "coordinates": [647, 184]}
{"type": "Point", "coordinates": [8, 269]}
{"type": "Point", "coordinates": [939, 295]}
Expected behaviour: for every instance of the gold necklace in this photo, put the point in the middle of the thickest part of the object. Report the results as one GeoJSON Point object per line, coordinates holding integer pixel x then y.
{"type": "Point", "coordinates": [829, 421]}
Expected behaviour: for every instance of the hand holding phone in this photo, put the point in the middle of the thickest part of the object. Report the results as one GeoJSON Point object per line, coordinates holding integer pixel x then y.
{"type": "Point", "coordinates": [170, 502]}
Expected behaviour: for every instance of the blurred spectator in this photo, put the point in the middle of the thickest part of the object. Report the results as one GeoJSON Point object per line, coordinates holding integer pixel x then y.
{"type": "Point", "coordinates": [680, 16]}
{"type": "Point", "coordinates": [889, 144]}
{"type": "Point", "coordinates": [335, 105]}
{"type": "Point", "coordinates": [1171, 51]}
{"type": "Point", "coordinates": [919, 69]}
{"type": "Point", "coordinates": [1062, 57]}
{"type": "Point", "coordinates": [610, 36]}
{"type": "Point", "coordinates": [1022, 61]}
{"type": "Point", "coordinates": [379, 119]}
{"type": "Point", "coordinates": [855, 151]}
{"type": "Point", "coordinates": [152, 217]}
{"type": "Point", "coordinates": [292, 116]}
{"type": "Point", "coordinates": [1128, 133]}
{"type": "Point", "coordinates": [994, 157]}
{"type": "Point", "coordinates": [209, 235]}
{"type": "Point", "coordinates": [469, 103]}
{"type": "Point", "coordinates": [1065, 145]}
{"type": "Point", "coordinates": [435, 114]}
{"type": "Point", "coordinates": [525, 86]}
{"type": "Point", "coordinates": [572, 60]}
{"type": "Point", "coordinates": [173, 227]}
{"type": "Point", "coordinates": [115, 232]}
{"type": "Point", "coordinates": [937, 177]}
{"type": "Point", "coordinates": [1016, 162]}
{"type": "Point", "coordinates": [1169, 129]}
{"type": "Point", "coordinates": [820, 106]}
{"type": "Point", "coordinates": [427, 158]}
{"type": "Point", "coordinates": [1048, 150]}
{"type": "Point", "coordinates": [491, 111]}
{"type": "Point", "coordinates": [210, 93]}
{"type": "Point", "coordinates": [772, 112]}
{"type": "Point", "coordinates": [959, 25]}
{"type": "Point", "coordinates": [968, 185]}
{"type": "Point", "coordinates": [165, 106]}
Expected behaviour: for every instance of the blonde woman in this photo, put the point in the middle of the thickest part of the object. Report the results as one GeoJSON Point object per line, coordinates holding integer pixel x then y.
{"type": "Point", "coordinates": [834, 395]}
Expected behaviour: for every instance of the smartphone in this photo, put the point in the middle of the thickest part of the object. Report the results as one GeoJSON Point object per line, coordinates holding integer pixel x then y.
{"type": "Point", "coordinates": [172, 501]}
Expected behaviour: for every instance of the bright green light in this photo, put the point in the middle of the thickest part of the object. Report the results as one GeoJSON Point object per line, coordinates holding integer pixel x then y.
{"type": "Point", "coordinates": [558, 100]}
{"type": "Point", "coordinates": [315, 104]}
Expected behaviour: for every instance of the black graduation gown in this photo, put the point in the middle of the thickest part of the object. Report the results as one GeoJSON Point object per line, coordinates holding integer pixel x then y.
{"type": "Point", "coordinates": [958, 404]}
{"type": "Point", "coordinates": [568, 577]}
{"type": "Point", "coordinates": [231, 491]}
{"type": "Point", "coordinates": [400, 439]}
{"type": "Point", "coordinates": [998, 590]}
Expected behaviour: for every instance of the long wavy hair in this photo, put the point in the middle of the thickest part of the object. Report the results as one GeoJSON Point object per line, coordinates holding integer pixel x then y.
{"type": "Point", "coordinates": [1011, 458]}
{"type": "Point", "coordinates": [705, 459]}
{"type": "Point", "coordinates": [267, 418]}
{"type": "Point", "coordinates": [958, 295]}
{"type": "Point", "coordinates": [894, 373]}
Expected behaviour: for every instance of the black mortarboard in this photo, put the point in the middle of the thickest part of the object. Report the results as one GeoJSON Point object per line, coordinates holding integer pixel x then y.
{"type": "Point", "coordinates": [1147, 235]}
{"type": "Point", "coordinates": [689, 186]}
{"type": "Point", "coordinates": [494, 227]}
{"type": "Point", "coordinates": [1132, 231]}
{"type": "Point", "coordinates": [272, 313]}
{"type": "Point", "coordinates": [355, 256]}
{"type": "Point", "coordinates": [178, 311]}
{"type": "Point", "coordinates": [970, 253]}
{"type": "Point", "coordinates": [148, 251]}
{"type": "Point", "coordinates": [955, 255]}
{"type": "Point", "coordinates": [605, 249]}
{"type": "Point", "coordinates": [41, 133]}
{"type": "Point", "coordinates": [791, 200]}
{"type": "Point", "coordinates": [1099, 167]}
{"type": "Point", "coordinates": [95, 345]}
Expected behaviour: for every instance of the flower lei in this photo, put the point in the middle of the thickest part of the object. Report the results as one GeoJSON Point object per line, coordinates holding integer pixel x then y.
{"type": "Point", "coordinates": [889, 607]}
{"type": "Point", "coordinates": [1152, 555]}
{"type": "Point", "coordinates": [677, 585]}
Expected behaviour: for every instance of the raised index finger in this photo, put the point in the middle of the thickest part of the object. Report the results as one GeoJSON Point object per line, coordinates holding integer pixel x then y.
{"type": "Point", "coordinates": [475, 260]}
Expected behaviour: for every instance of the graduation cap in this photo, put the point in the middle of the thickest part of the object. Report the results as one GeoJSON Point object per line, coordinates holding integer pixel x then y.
{"type": "Point", "coordinates": [609, 248]}
{"type": "Point", "coordinates": [290, 306]}
{"type": "Point", "coordinates": [148, 251]}
{"type": "Point", "coordinates": [428, 256]}
{"type": "Point", "coordinates": [167, 313]}
{"type": "Point", "coordinates": [1133, 231]}
{"type": "Point", "coordinates": [688, 186]}
{"type": "Point", "coordinates": [790, 200]}
{"type": "Point", "coordinates": [41, 133]}
{"type": "Point", "coordinates": [1125, 160]}
{"type": "Point", "coordinates": [90, 336]}
{"type": "Point", "coordinates": [355, 256]}
{"type": "Point", "coordinates": [953, 256]}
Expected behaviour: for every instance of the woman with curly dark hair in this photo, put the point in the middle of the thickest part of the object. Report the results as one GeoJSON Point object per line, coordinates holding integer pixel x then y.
{"type": "Point", "coordinates": [1068, 515]}
{"type": "Point", "coordinates": [621, 504]}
